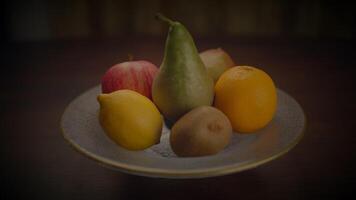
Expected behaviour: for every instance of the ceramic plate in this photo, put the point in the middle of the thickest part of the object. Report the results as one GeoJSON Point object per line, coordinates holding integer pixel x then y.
{"type": "Point", "coordinates": [81, 128]}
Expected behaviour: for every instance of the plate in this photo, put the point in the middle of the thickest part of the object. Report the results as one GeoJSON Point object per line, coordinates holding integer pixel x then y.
{"type": "Point", "coordinates": [81, 128]}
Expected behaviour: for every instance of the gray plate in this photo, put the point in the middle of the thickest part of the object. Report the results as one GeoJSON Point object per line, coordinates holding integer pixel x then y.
{"type": "Point", "coordinates": [81, 128]}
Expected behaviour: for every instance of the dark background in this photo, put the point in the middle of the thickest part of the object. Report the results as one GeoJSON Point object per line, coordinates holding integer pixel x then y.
{"type": "Point", "coordinates": [39, 20]}
{"type": "Point", "coordinates": [51, 51]}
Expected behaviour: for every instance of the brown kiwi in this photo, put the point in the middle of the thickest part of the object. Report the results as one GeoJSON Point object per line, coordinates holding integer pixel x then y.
{"type": "Point", "coordinates": [202, 131]}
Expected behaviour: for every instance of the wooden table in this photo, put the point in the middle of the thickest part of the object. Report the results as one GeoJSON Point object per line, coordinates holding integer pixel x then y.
{"type": "Point", "coordinates": [40, 78]}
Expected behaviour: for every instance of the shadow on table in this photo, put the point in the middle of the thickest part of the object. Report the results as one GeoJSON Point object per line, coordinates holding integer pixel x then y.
{"type": "Point", "coordinates": [240, 185]}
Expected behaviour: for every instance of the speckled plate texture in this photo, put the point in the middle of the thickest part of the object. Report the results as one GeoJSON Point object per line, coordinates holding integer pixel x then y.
{"type": "Point", "coordinates": [81, 128]}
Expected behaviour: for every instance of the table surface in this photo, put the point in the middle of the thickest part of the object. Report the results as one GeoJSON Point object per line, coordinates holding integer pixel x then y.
{"type": "Point", "coordinates": [41, 78]}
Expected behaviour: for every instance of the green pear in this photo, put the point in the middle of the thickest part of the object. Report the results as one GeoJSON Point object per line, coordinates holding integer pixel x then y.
{"type": "Point", "coordinates": [182, 82]}
{"type": "Point", "coordinates": [216, 61]}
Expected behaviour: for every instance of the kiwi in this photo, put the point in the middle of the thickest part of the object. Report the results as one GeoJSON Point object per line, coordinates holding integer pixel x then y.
{"type": "Point", "coordinates": [203, 131]}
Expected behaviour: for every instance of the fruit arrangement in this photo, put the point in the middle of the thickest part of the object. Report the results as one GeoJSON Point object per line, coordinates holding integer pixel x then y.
{"type": "Point", "coordinates": [204, 96]}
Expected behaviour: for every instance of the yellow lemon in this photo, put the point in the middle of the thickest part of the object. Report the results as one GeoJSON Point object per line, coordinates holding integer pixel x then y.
{"type": "Point", "coordinates": [130, 119]}
{"type": "Point", "coordinates": [247, 96]}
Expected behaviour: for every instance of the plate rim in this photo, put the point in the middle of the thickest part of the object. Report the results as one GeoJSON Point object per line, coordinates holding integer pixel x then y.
{"type": "Point", "coordinates": [179, 174]}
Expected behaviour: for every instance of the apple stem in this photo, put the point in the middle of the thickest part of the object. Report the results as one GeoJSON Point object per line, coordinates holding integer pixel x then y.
{"type": "Point", "coordinates": [163, 18]}
{"type": "Point", "coordinates": [130, 56]}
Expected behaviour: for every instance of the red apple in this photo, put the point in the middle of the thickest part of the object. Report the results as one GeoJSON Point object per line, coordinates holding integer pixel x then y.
{"type": "Point", "coordinates": [216, 62]}
{"type": "Point", "coordinates": [132, 75]}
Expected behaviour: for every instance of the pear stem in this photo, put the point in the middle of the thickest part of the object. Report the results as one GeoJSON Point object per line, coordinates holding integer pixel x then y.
{"type": "Point", "coordinates": [163, 18]}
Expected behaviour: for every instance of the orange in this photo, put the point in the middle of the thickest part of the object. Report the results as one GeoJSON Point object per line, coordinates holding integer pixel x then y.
{"type": "Point", "coordinates": [247, 96]}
